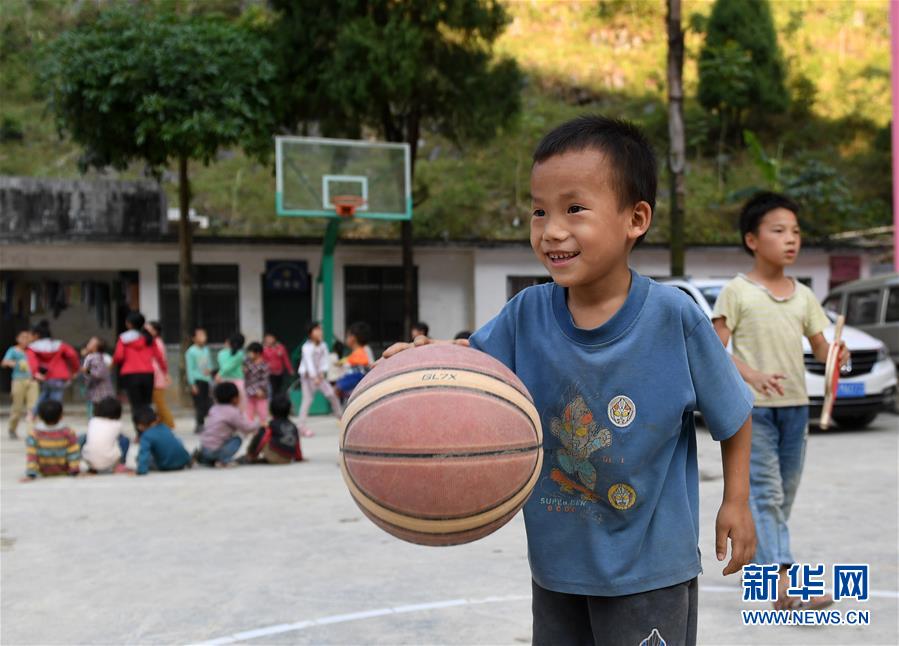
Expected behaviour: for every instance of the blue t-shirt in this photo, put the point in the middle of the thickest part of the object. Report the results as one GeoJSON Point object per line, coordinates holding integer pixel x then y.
{"type": "Point", "coordinates": [616, 510]}
{"type": "Point", "coordinates": [21, 370]}
{"type": "Point", "coordinates": [161, 450]}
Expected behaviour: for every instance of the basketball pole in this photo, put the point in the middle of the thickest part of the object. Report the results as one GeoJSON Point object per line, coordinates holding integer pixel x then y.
{"type": "Point", "coordinates": [325, 282]}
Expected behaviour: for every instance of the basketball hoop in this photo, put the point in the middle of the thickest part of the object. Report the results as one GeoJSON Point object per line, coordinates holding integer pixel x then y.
{"type": "Point", "coordinates": [346, 205]}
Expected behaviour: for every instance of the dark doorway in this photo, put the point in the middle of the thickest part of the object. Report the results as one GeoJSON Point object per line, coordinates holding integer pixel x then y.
{"type": "Point", "coordinates": [286, 301]}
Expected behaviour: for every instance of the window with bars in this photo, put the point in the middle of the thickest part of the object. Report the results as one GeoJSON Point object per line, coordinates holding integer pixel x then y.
{"type": "Point", "coordinates": [216, 301]}
{"type": "Point", "coordinates": [374, 294]}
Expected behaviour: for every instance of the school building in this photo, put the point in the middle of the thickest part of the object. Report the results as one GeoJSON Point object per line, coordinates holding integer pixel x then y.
{"type": "Point", "coordinates": [82, 254]}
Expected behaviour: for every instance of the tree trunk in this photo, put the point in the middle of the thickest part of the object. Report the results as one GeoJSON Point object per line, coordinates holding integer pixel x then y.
{"type": "Point", "coordinates": [676, 144]}
{"type": "Point", "coordinates": [185, 267]}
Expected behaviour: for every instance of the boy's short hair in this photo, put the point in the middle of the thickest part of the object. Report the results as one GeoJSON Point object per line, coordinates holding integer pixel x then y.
{"type": "Point", "coordinates": [255, 347]}
{"type": "Point", "coordinates": [280, 407]}
{"type": "Point", "coordinates": [144, 416]}
{"type": "Point", "coordinates": [312, 325]}
{"type": "Point", "coordinates": [199, 328]}
{"type": "Point", "coordinates": [225, 392]}
{"type": "Point", "coordinates": [108, 407]}
{"type": "Point", "coordinates": [50, 411]}
{"type": "Point", "coordinates": [236, 341]}
{"type": "Point", "coordinates": [758, 206]}
{"type": "Point", "coordinates": [362, 331]}
{"type": "Point", "coordinates": [464, 334]}
{"type": "Point", "coordinates": [42, 329]}
{"type": "Point", "coordinates": [421, 325]}
{"type": "Point", "coordinates": [633, 162]}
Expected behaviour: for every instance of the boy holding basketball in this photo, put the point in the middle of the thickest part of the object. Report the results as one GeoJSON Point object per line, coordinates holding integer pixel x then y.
{"type": "Point", "coordinates": [766, 313]}
{"type": "Point", "coordinates": [617, 364]}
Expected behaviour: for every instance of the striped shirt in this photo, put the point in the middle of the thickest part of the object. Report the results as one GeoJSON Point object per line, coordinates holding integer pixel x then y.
{"type": "Point", "coordinates": [52, 451]}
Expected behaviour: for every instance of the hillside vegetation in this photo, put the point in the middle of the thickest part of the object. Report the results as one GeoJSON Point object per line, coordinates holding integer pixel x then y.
{"type": "Point", "coordinates": [606, 57]}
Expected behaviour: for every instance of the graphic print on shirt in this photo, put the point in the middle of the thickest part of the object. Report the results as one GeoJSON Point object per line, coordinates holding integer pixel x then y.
{"type": "Point", "coordinates": [580, 436]}
{"type": "Point", "coordinates": [622, 496]}
{"type": "Point", "coordinates": [622, 411]}
{"type": "Point", "coordinates": [654, 639]}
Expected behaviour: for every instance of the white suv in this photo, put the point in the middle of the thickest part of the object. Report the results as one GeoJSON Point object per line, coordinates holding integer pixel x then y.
{"type": "Point", "coordinates": [868, 389]}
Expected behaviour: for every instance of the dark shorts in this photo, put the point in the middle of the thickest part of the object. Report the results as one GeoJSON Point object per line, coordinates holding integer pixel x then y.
{"type": "Point", "coordinates": [667, 615]}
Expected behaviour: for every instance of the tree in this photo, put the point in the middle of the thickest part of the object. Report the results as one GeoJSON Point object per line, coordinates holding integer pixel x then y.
{"type": "Point", "coordinates": [741, 68]}
{"type": "Point", "coordinates": [676, 142]}
{"type": "Point", "coordinates": [428, 66]}
{"type": "Point", "coordinates": [138, 86]}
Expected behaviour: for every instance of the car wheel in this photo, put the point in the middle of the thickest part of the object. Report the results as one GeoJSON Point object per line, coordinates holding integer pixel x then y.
{"type": "Point", "coordinates": [855, 421]}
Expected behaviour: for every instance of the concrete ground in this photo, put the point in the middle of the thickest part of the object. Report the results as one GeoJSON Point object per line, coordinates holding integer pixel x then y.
{"type": "Point", "coordinates": [266, 554]}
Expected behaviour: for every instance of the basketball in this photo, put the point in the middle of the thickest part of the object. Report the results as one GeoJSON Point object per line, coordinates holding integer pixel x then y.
{"type": "Point", "coordinates": [440, 445]}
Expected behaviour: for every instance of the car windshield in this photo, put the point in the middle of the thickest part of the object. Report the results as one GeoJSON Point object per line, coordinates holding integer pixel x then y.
{"type": "Point", "coordinates": [711, 293]}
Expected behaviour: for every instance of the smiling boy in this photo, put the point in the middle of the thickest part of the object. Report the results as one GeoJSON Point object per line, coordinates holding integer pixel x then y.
{"type": "Point", "coordinates": [617, 364]}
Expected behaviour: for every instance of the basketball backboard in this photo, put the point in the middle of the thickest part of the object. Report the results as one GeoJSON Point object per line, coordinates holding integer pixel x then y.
{"type": "Point", "coordinates": [312, 171]}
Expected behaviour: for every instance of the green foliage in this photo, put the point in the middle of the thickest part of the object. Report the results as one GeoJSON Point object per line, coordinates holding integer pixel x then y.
{"type": "Point", "coordinates": [10, 130]}
{"type": "Point", "coordinates": [477, 188]}
{"type": "Point", "coordinates": [768, 166]}
{"type": "Point", "coordinates": [821, 189]}
{"type": "Point", "coordinates": [740, 65]}
{"type": "Point", "coordinates": [134, 85]}
{"type": "Point", "coordinates": [427, 65]}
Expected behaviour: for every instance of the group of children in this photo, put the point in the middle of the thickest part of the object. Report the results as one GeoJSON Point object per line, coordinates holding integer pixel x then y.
{"type": "Point", "coordinates": [241, 393]}
{"type": "Point", "coordinates": [53, 448]}
{"type": "Point", "coordinates": [257, 372]}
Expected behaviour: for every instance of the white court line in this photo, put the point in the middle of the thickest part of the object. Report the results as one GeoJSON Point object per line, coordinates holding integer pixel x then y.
{"type": "Point", "coordinates": [279, 629]}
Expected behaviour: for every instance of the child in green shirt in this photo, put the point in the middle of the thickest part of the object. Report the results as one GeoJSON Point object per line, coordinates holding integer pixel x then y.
{"type": "Point", "coordinates": [198, 362]}
{"type": "Point", "coordinates": [230, 361]}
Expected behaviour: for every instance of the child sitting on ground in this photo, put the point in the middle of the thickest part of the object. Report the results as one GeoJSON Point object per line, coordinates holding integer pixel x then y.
{"type": "Point", "coordinates": [104, 447]}
{"type": "Point", "coordinates": [51, 447]}
{"type": "Point", "coordinates": [279, 442]}
{"type": "Point", "coordinates": [256, 383]}
{"type": "Point", "coordinates": [96, 373]}
{"type": "Point", "coordinates": [219, 441]}
{"type": "Point", "coordinates": [160, 450]}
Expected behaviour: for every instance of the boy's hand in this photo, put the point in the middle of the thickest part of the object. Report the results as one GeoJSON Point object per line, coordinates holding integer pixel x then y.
{"type": "Point", "coordinates": [194, 390]}
{"type": "Point", "coordinates": [845, 355]}
{"type": "Point", "coordinates": [419, 341]}
{"type": "Point", "coordinates": [735, 522]}
{"type": "Point", "coordinates": [767, 383]}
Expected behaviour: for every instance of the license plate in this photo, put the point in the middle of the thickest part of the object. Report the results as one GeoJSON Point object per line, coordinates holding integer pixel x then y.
{"type": "Point", "coordinates": [851, 389]}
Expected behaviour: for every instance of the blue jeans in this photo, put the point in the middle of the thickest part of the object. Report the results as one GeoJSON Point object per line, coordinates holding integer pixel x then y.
{"type": "Point", "coordinates": [225, 453]}
{"type": "Point", "coordinates": [51, 389]}
{"type": "Point", "coordinates": [778, 453]}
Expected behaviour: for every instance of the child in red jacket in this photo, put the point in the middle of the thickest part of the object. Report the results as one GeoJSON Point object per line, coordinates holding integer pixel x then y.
{"type": "Point", "coordinates": [135, 352]}
{"type": "Point", "coordinates": [52, 362]}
